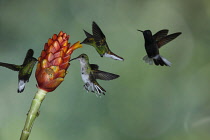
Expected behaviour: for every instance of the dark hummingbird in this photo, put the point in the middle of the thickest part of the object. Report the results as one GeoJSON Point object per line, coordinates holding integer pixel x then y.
{"type": "Point", "coordinates": [98, 41]}
{"type": "Point", "coordinates": [153, 43]}
{"type": "Point", "coordinates": [25, 69]}
{"type": "Point", "coordinates": [90, 73]}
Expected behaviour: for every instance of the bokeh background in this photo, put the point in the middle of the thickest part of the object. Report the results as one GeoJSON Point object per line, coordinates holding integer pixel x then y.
{"type": "Point", "coordinates": [145, 103]}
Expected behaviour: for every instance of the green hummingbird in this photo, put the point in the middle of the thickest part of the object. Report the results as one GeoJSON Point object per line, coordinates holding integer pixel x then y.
{"type": "Point", "coordinates": [98, 41]}
{"type": "Point", "coordinates": [89, 74]}
{"type": "Point", "coordinates": [25, 69]}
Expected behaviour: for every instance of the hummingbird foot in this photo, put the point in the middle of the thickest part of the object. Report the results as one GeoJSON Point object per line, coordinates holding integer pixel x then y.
{"type": "Point", "coordinates": [148, 60]}
{"type": "Point", "coordinates": [113, 56]}
{"type": "Point", "coordinates": [86, 87]}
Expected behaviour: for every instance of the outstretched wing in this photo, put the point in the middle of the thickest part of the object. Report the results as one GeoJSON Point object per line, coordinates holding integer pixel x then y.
{"type": "Point", "coordinates": [97, 33]}
{"type": "Point", "coordinates": [167, 39]}
{"type": "Point", "coordinates": [28, 57]}
{"type": "Point", "coordinates": [88, 35]}
{"type": "Point", "coordinates": [102, 75]}
{"type": "Point", "coordinates": [10, 66]}
{"type": "Point", "coordinates": [160, 34]}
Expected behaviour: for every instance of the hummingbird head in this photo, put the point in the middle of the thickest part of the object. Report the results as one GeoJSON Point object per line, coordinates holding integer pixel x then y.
{"type": "Point", "coordinates": [82, 58]}
{"type": "Point", "coordinates": [147, 34]}
{"type": "Point", "coordinates": [88, 41]}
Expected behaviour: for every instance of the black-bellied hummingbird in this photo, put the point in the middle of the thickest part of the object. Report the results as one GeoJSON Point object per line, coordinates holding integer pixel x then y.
{"type": "Point", "coordinates": [153, 43]}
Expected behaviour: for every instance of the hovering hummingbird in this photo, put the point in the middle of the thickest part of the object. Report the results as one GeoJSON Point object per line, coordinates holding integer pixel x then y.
{"type": "Point", "coordinates": [154, 42]}
{"type": "Point", "coordinates": [98, 41]}
{"type": "Point", "coordinates": [90, 73]}
{"type": "Point", "coordinates": [25, 69]}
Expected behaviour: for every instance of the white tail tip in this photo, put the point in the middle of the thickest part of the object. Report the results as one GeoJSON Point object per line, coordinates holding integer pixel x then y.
{"type": "Point", "coordinates": [21, 86]}
{"type": "Point", "coordinates": [113, 57]}
{"type": "Point", "coordinates": [168, 63]}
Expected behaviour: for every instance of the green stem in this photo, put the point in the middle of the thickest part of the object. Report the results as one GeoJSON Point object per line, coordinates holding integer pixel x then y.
{"type": "Point", "coordinates": [33, 113]}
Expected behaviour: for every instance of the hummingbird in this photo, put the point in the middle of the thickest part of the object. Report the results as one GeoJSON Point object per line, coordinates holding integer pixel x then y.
{"type": "Point", "coordinates": [98, 41]}
{"type": "Point", "coordinates": [25, 69]}
{"type": "Point", "coordinates": [89, 74]}
{"type": "Point", "coordinates": [154, 42]}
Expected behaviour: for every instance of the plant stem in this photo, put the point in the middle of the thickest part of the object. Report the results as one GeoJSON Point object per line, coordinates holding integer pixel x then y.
{"type": "Point", "coordinates": [33, 113]}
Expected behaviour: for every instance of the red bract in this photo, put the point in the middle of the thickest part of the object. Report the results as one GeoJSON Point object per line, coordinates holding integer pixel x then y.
{"type": "Point", "coordinates": [54, 61]}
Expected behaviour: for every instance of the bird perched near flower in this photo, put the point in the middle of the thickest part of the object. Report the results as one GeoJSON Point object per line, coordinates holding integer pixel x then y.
{"type": "Point", "coordinates": [25, 69]}
{"type": "Point", "coordinates": [89, 74]}
{"type": "Point", "coordinates": [98, 41]}
{"type": "Point", "coordinates": [153, 43]}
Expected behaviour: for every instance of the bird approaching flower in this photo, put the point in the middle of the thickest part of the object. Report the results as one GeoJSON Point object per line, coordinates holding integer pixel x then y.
{"type": "Point", "coordinates": [98, 41]}
{"type": "Point", "coordinates": [89, 74]}
{"type": "Point", "coordinates": [24, 70]}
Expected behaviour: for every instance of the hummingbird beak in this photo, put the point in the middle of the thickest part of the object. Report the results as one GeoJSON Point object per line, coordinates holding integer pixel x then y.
{"type": "Point", "coordinates": [140, 31]}
{"type": "Point", "coordinates": [74, 58]}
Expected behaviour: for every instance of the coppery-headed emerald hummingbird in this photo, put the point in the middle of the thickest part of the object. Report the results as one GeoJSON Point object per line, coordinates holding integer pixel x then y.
{"type": "Point", "coordinates": [153, 43]}
{"type": "Point", "coordinates": [98, 41]}
{"type": "Point", "coordinates": [89, 74]}
{"type": "Point", "coordinates": [25, 69]}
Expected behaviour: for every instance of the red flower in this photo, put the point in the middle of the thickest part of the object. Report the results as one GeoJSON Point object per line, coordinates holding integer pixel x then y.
{"type": "Point", "coordinates": [54, 61]}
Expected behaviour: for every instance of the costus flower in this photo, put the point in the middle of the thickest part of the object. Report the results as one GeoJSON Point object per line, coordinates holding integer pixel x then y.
{"type": "Point", "coordinates": [54, 61]}
{"type": "Point", "coordinates": [51, 69]}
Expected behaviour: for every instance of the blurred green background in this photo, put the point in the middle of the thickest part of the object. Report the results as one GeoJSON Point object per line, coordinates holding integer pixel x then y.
{"type": "Point", "coordinates": [145, 103]}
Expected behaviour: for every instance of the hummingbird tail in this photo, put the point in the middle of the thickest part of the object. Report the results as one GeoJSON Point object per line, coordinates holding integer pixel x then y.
{"type": "Point", "coordinates": [159, 60]}
{"type": "Point", "coordinates": [21, 86]}
{"type": "Point", "coordinates": [99, 89]}
{"type": "Point", "coordinates": [113, 56]}
{"type": "Point", "coordinates": [94, 88]}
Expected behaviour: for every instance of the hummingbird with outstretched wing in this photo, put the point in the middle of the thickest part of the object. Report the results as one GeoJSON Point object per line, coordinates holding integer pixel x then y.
{"type": "Point", "coordinates": [98, 41]}
{"type": "Point", "coordinates": [24, 70]}
{"type": "Point", "coordinates": [154, 42]}
{"type": "Point", "coordinates": [89, 74]}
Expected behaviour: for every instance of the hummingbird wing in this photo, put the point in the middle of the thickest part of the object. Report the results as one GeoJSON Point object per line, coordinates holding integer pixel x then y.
{"type": "Point", "coordinates": [11, 66]}
{"type": "Point", "coordinates": [28, 57]}
{"type": "Point", "coordinates": [88, 35]}
{"type": "Point", "coordinates": [102, 75]}
{"type": "Point", "coordinates": [167, 39]}
{"type": "Point", "coordinates": [94, 67]}
{"type": "Point", "coordinates": [160, 34]}
{"type": "Point", "coordinates": [97, 33]}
